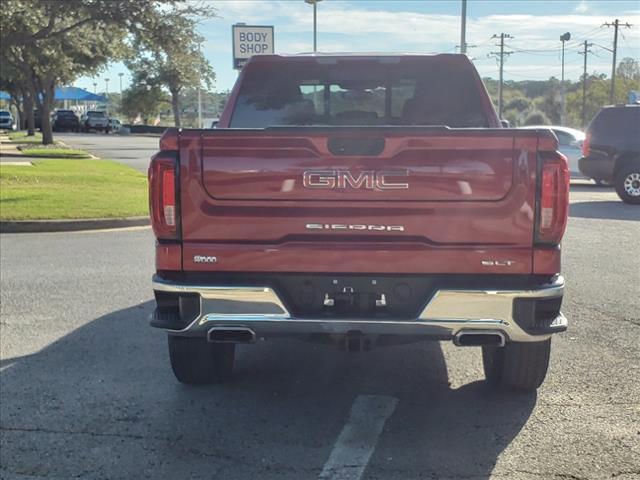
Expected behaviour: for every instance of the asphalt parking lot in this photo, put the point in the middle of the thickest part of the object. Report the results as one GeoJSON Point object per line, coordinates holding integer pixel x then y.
{"type": "Point", "coordinates": [132, 150]}
{"type": "Point", "coordinates": [87, 391]}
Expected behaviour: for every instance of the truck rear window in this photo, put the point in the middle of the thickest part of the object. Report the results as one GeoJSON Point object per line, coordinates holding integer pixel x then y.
{"type": "Point", "coordinates": [425, 92]}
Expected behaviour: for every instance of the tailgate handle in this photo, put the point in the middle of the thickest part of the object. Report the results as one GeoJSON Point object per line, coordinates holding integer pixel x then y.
{"type": "Point", "coordinates": [368, 146]}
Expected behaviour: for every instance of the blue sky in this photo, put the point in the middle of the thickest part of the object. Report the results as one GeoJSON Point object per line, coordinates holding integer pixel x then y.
{"type": "Point", "coordinates": [427, 27]}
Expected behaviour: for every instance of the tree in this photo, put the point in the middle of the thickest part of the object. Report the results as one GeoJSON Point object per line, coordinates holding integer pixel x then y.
{"type": "Point", "coordinates": [537, 118]}
{"type": "Point", "coordinates": [521, 104]}
{"type": "Point", "coordinates": [51, 42]}
{"type": "Point", "coordinates": [13, 82]}
{"type": "Point", "coordinates": [60, 60]}
{"type": "Point", "coordinates": [144, 99]}
{"type": "Point", "coordinates": [628, 69]}
{"type": "Point", "coordinates": [597, 92]}
{"type": "Point", "coordinates": [169, 51]}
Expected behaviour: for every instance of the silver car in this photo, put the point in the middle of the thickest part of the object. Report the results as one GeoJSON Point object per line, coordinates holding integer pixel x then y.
{"type": "Point", "coordinates": [6, 120]}
{"type": "Point", "coordinates": [570, 141]}
{"type": "Point", "coordinates": [94, 120]}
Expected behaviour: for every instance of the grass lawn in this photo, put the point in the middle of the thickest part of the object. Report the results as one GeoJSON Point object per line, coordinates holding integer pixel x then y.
{"type": "Point", "coordinates": [55, 153]}
{"type": "Point", "coordinates": [57, 189]}
{"type": "Point", "coordinates": [21, 137]}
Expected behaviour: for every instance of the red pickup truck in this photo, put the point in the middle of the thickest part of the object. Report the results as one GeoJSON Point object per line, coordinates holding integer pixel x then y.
{"type": "Point", "coordinates": [364, 200]}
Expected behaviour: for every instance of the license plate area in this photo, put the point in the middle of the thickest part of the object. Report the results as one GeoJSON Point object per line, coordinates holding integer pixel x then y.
{"type": "Point", "coordinates": [366, 297]}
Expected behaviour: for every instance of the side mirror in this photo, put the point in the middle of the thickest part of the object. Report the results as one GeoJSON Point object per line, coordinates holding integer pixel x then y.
{"type": "Point", "coordinates": [214, 124]}
{"type": "Point", "coordinates": [505, 123]}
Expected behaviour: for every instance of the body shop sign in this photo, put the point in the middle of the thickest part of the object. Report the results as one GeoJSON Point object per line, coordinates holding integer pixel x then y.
{"type": "Point", "coordinates": [249, 40]}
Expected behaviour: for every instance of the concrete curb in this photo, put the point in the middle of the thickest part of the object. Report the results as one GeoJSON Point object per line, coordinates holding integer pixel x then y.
{"type": "Point", "coordinates": [37, 226]}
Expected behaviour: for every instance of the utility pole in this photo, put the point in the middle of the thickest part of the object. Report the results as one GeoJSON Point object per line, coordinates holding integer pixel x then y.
{"type": "Point", "coordinates": [584, 81]}
{"type": "Point", "coordinates": [563, 38]}
{"type": "Point", "coordinates": [501, 54]}
{"type": "Point", "coordinates": [615, 25]}
{"type": "Point", "coordinates": [315, 22]}
{"type": "Point", "coordinates": [463, 28]}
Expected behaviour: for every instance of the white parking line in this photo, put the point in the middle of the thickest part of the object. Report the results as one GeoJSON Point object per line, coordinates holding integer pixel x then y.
{"type": "Point", "coordinates": [358, 438]}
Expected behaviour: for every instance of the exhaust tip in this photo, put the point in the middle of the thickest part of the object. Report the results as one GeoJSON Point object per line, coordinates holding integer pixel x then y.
{"type": "Point", "coordinates": [478, 338]}
{"type": "Point", "coordinates": [231, 335]}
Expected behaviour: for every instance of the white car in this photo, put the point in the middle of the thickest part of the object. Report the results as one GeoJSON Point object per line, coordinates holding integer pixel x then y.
{"type": "Point", "coordinates": [94, 120]}
{"type": "Point", "coordinates": [6, 120]}
{"type": "Point", "coordinates": [570, 141]}
{"type": "Point", "coordinates": [114, 125]}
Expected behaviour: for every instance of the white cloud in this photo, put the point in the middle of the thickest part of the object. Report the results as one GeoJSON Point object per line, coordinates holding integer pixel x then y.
{"type": "Point", "coordinates": [583, 7]}
{"type": "Point", "coordinates": [385, 30]}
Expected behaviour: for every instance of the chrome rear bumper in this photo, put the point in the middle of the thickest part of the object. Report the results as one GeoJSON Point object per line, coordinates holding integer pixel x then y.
{"type": "Point", "coordinates": [446, 314]}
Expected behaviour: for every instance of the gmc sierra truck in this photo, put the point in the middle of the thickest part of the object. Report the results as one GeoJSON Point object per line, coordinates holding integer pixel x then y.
{"type": "Point", "coordinates": [363, 200]}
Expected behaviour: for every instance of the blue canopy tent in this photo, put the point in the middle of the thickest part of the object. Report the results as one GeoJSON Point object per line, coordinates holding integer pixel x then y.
{"type": "Point", "coordinates": [79, 94]}
{"type": "Point", "coordinates": [69, 93]}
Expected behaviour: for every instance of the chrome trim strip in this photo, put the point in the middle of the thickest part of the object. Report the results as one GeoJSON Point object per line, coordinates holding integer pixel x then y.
{"type": "Point", "coordinates": [450, 311]}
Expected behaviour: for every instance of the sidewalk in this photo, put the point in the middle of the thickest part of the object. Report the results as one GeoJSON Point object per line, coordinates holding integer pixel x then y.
{"type": "Point", "coordinates": [10, 155]}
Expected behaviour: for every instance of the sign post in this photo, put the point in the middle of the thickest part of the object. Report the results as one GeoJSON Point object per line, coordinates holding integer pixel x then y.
{"type": "Point", "coordinates": [249, 40]}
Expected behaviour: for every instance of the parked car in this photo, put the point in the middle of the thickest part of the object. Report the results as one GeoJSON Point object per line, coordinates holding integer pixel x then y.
{"type": "Point", "coordinates": [306, 214]}
{"type": "Point", "coordinates": [65, 121]}
{"type": "Point", "coordinates": [95, 120]}
{"type": "Point", "coordinates": [570, 141]}
{"type": "Point", "coordinates": [114, 125]}
{"type": "Point", "coordinates": [611, 150]}
{"type": "Point", "coordinates": [6, 120]}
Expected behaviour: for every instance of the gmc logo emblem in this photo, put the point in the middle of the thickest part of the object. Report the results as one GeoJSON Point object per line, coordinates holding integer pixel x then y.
{"type": "Point", "coordinates": [367, 179]}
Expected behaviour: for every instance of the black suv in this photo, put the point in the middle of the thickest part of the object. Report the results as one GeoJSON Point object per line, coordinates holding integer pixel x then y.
{"type": "Point", "coordinates": [65, 120]}
{"type": "Point", "coordinates": [611, 150]}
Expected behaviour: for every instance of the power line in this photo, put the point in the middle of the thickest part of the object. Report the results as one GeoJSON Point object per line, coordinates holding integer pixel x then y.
{"type": "Point", "coordinates": [501, 54]}
{"type": "Point", "coordinates": [627, 44]}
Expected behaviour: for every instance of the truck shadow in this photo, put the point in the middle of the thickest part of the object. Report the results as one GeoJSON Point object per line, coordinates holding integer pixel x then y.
{"type": "Point", "coordinates": [610, 210]}
{"type": "Point", "coordinates": [101, 402]}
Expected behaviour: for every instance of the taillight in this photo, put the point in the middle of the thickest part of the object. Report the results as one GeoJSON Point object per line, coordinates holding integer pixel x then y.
{"type": "Point", "coordinates": [162, 196]}
{"type": "Point", "coordinates": [554, 199]}
{"type": "Point", "coordinates": [586, 145]}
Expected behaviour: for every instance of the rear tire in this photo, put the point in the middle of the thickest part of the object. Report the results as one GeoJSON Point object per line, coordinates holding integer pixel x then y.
{"type": "Point", "coordinates": [517, 366]}
{"type": "Point", "coordinates": [196, 362]}
{"type": "Point", "coordinates": [627, 183]}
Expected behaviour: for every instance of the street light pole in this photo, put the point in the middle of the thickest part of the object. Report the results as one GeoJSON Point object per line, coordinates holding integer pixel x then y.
{"type": "Point", "coordinates": [315, 22]}
{"type": "Point", "coordinates": [95, 88]}
{"type": "Point", "coordinates": [463, 29]}
{"type": "Point", "coordinates": [200, 86]}
{"type": "Point", "coordinates": [106, 94]}
{"type": "Point", "coordinates": [121, 103]}
{"type": "Point", "coordinates": [563, 38]}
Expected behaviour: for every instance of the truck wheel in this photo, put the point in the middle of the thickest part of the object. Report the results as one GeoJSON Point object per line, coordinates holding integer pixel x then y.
{"type": "Point", "coordinates": [195, 361]}
{"type": "Point", "coordinates": [627, 183]}
{"type": "Point", "coordinates": [517, 366]}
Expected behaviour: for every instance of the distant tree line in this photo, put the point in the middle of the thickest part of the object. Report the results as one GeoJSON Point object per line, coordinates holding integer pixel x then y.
{"type": "Point", "coordinates": [49, 43]}
{"type": "Point", "coordinates": [535, 102]}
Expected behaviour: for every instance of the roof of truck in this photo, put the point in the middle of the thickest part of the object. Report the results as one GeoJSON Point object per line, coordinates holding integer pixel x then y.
{"type": "Point", "coordinates": [356, 54]}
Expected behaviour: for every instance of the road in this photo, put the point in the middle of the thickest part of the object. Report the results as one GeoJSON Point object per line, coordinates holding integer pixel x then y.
{"type": "Point", "coordinates": [87, 391]}
{"type": "Point", "coordinates": [132, 150]}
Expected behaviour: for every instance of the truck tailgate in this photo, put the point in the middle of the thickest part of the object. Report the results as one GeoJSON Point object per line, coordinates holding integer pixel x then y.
{"type": "Point", "coordinates": [366, 189]}
{"type": "Point", "coordinates": [347, 167]}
